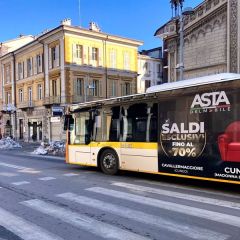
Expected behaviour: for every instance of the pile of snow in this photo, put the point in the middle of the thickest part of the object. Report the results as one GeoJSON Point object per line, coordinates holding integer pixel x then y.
{"type": "Point", "coordinates": [53, 148]}
{"type": "Point", "coordinates": [9, 143]}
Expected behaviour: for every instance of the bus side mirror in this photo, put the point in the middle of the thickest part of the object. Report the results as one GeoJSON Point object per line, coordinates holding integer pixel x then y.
{"type": "Point", "coordinates": [68, 122]}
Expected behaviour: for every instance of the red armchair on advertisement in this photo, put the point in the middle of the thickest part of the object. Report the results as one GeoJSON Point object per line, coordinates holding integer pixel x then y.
{"type": "Point", "coordinates": [229, 143]}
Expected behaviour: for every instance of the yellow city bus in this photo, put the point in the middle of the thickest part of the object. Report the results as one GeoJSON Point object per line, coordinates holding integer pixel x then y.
{"type": "Point", "coordinates": [188, 129]}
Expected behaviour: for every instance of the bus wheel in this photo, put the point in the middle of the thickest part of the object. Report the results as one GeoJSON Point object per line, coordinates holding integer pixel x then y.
{"type": "Point", "coordinates": [109, 162]}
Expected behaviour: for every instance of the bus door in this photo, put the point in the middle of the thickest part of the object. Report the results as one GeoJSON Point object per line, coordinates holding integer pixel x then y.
{"type": "Point", "coordinates": [81, 139]}
{"type": "Point", "coordinates": [139, 137]}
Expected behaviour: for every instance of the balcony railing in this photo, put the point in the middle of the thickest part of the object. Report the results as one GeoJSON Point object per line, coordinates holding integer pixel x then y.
{"type": "Point", "coordinates": [52, 100]}
{"type": "Point", "coordinates": [26, 104]}
{"type": "Point", "coordinates": [82, 98]}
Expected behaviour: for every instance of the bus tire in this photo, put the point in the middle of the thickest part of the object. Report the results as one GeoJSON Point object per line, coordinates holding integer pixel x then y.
{"type": "Point", "coordinates": [109, 162]}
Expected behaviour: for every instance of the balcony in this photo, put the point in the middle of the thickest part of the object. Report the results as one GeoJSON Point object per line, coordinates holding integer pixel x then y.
{"type": "Point", "coordinates": [26, 105]}
{"type": "Point", "coordinates": [52, 100]}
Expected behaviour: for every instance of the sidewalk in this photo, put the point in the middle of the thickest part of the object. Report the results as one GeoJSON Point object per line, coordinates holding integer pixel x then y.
{"type": "Point", "coordinates": [29, 147]}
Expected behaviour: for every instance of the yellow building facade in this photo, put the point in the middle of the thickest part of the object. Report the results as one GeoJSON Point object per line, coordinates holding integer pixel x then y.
{"type": "Point", "coordinates": [63, 66]}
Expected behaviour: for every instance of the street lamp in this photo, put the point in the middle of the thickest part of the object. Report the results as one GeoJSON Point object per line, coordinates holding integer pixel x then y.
{"type": "Point", "coordinates": [186, 12]}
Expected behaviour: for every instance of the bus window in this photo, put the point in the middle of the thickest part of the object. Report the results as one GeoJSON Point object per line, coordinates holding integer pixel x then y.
{"type": "Point", "coordinates": [81, 134]}
{"type": "Point", "coordinates": [111, 124]}
{"type": "Point", "coordinates": [139, 123]}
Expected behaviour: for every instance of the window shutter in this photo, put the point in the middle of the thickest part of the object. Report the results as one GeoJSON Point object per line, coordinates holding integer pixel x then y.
{"type": "Point", "coordinates": [74, 53]}
{"type": "Point", "coordinates": [50, 58]}
{"type": "Point", "coordinates": [85, 54]}
{"type": "Point", "coordinates": [23, 69]}
{"type": "Point", "coordinates": [35, 63]}
{"type": "Point", "coordinates": [17, 75]}
{"type": "Point", "coordinates": [57, 48]}
{"type": "Point", "coordinates": [100, 88]}
{"type": "Point", "coordinates": [100, 57]}
{"type": "Point", "coordinates": [90, 55]}
{"type": "Point", "coordinates": [41, 63]}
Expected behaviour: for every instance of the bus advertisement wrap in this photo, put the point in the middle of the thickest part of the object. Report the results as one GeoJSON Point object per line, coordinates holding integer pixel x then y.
{"type": "Point", "coordinates": [200, 135]}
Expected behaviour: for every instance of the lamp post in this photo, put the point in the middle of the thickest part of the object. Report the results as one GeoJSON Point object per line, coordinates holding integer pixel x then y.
{"type": "Point", "coordinates": [186, 12]}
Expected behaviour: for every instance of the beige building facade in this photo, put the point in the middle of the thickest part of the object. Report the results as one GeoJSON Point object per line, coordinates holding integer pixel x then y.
{"type": "Point", "coordinates": [63, 66]}
{"type": "Point", "coordinates": [211, 40]}
{"type": "Point", "coordinates": [149, 69]}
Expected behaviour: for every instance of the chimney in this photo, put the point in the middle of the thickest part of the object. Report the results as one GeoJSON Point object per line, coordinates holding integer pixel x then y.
{"type": "Point", "coordinates": [94, 27]}
{"type": "Point", "coordinates": [66, 22]}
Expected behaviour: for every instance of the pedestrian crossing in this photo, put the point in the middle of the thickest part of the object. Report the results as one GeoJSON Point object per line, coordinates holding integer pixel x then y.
{"type": "Point", "coordinates": [136, 205]}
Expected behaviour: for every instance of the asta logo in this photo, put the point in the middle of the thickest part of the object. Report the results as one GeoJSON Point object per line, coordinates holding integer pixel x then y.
{"type": "Point", "coordinates": [210, 102]}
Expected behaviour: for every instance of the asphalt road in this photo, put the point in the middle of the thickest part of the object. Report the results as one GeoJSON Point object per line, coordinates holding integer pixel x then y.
{"type": "Point", "coordinates": [42, 198]}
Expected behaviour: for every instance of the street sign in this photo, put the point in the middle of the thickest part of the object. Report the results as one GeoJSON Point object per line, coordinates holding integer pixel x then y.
{"type": "Point", "coordinates": [55, 119]}
{"type": "Point", "coordinates": [57, 111]}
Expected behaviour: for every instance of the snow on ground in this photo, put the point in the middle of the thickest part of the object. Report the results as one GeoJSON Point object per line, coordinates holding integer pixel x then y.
{"type": "Point", "coordinates": [9, 143]}
{"type": "Point", "coordinates": [56, 148]}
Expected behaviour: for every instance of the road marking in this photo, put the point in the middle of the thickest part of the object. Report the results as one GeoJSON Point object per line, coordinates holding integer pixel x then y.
{"type": "Point", "coordinates": [188, 210]}
{"type": "Point", "coordinates": [70, 174]}
{"type": "Point", "coordinates": [12, 166]}
{"type": "Point", "coordinates": [174, 194]}
{"type": "Point", "coordinates": [191, 188]}
{"type": "Point", "coordinates": [46, 178]}
{"type": "Point", "coordinates": [139, 216]}
{"type": "Point", "coordinates": [23, 228]}
{"type": "Point", "coordinates": [19, 168]}
{"type": "Point", "coordinates": [29, 170]}
{"type": "Point", "coordinates": [98, 228]}
{"type": "Point", "coordinates": [20, 183]}
{"type": "Point", "coordinates": [7, 174]}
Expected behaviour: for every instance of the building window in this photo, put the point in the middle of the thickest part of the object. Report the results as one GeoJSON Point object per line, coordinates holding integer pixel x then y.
{"type": "Point", "coordinates": [79, 51]}
{"type": "Point", "coordinates": [96, 89]}
{"type": "Point", "coordinates": [39, 88]}
{"type": "Point", "coordinates": [126, 88]}
{"type": "Point", "coordinates": [8, 98]}
{"type": "Point", "coordinates": [54, 57]}
{"type": "Point", "coordinates": [20, 70]}
{"type": "Point", "coordinates": [79, 86]}
{"type": "Point", "coordinates": [20, 95]}
{"type": "Point", "coordinates": [8, 77]}
{"type": "Point", "coordinates": [147, 84]}
{"type": "Point", "coordinates": [53, 51]}
{"type": "Point", "coordinates": [29, 67]}
{"type": "Point", "coordinates": [54, 88]}
{"type": "Point", "coordinates": [94, 54]}
{"type": "Point", "coordinates": [113, 58]}
{"type": "Point", "coordinates": [126, 61]}
{"type": "Point", "coordinates": [114, 88]}
{"type": "Point", "coordinates": [30, 94]}
{"type": "Point", "coordinates": [146, 69]}
{"type": "Point", "coordinates": [159, 71]}
{"type": "Point", "coordinates": [39, 63]}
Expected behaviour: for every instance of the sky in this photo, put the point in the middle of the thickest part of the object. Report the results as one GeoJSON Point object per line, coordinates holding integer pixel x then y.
{"type": "Point", "coordinates": [136, 19]}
